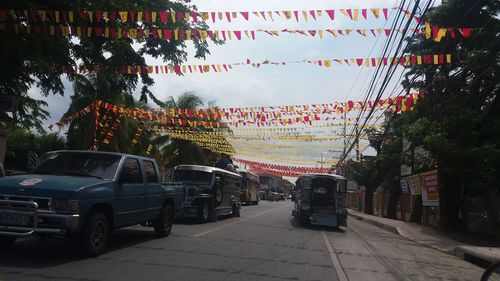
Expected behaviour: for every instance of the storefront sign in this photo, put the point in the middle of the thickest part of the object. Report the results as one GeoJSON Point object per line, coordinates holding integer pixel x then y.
{"type": "Point", "coordinates": [430, 188]}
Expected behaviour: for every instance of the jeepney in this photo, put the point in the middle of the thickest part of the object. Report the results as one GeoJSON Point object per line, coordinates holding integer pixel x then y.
{"type": "Point", "coordinates": [320, 200]}
{"type": "Point", "coordinates": [250, 187]}
{"type": "Point", "coordinates": [209, 192]}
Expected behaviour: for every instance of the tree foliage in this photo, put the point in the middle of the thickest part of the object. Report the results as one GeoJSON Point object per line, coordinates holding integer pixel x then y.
{"type": "Point", "coordinates": [458, 120]}
{"type": "Point", "coordinates": [29, 60]}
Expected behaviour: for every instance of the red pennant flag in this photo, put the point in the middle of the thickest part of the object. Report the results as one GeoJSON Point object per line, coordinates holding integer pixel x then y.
{"type": "Point", "coordinates": [167, 34]}
{"type": "Point", "coordinates": [296, 13]}
{"type": "Point", "coordinates": [313, 14]}
{"type": "Point", "coordinates": [263, 14]}
{"type": "Point", "coordinates": [387, 32]}
{"type": "Point", "coordinates": [349, 13]}
{"type": "Point", "coordinates": [132, 15]}
{"type": "Point", "coordinates": [359, 62]}
{"type": "Point", "coordinates": [331, 14]}
{"type": "Point", "coordinates": [465, 32]}
{"type": "Point", "coordinates": [385, 10]}
{"type": "Point", "coordinates": [452, 32]}
{"type": "Point", "coordinates": [212, 14]}
{"type": "Point", "coordinates": [363, 13]}
{"type": "Point", "coordinates": [112, 16]}
{"type": "Point", "coordinates": [163, 16]}
{"type": "Point", "coordinates": [3, 15]}
{"type": "Point", "coordinates": [237, 33]}
{"type": "Point", "coordinates": [98, 31]}
{"type": "Point", "coordinates": [312, 32]}
{"type": "Point", "coordinates": [98, 15]}
{"type": "Point", "coordinates": [248, 61]}
{"type": "Point", "coordinates": [252, 32]}
{"type": "Point", "coordinates": [147, 16]}
{"type": "Point", "coordinates": [228, 16]}
{"type": "Point", "coordinates": [194, 15]}
{"type": "Point", "coordinates": [245, 15]}
{"type": "Point", "coordinates": [180, 16]}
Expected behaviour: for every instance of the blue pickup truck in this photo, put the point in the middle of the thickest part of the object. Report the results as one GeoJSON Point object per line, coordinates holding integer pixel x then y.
{"type": "Point", "coordinates": [84, 195]}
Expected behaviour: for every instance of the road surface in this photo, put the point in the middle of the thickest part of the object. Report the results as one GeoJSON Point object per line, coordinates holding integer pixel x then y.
{"type": "Point", "coordinates": [263, 244]}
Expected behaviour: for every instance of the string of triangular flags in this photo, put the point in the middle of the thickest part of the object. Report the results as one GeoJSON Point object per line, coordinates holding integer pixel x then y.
{"type": "Point", "coordinates": [164, 17]}
{"type": "Point", "coordinates": [407, 60]}
{"type": "Point", "coordinates": [181, 34]}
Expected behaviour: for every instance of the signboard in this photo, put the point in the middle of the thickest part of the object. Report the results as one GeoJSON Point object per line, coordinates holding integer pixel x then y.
{"type": "Point", "coordinates": [430, 188]}
{"type": "Point", "coordinates": [414, 184]}
{"type": "Point", "coordinates": [406, 155]}
{"type": "Point", "coordinates": [404, 185]}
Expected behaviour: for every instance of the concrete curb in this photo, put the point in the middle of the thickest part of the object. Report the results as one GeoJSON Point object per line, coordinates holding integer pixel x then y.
{"type": "Point", "coordinates": [464, 252]}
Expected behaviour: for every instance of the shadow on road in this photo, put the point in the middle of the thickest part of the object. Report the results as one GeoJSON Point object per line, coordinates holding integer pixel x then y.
{"type": "Point", "coordinates": [37, 254]}
{"type": "Point", "coordinates": [294, 223]}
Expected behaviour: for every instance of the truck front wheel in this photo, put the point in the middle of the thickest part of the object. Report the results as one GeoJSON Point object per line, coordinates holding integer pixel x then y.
{"type": "Point", "coordinates": [95, 235]}
{"type": "Point", "coordinates": [6, 241]}
{"type": "Point", "coordinates": [163, 224]}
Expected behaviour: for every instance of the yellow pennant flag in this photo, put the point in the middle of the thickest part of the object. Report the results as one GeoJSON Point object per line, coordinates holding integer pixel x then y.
{"type": "Point", "coordinates": [327, 63]}
{"type": "Point", "coordinates": [43, 14]}
{"type": "Point", "coordinates": [153, 16]}
{"type": "Point", "coordinates": [355, 14]}
{"type": "Point", "coordinates": [90, 16]}
{"type": "Point", "coordinates": [320, 34]}
{"type": "Point", "coordinates": [57, 16]}
{"type": "Point", "coordinates": [288, 14]}
{"type": "Point", "coordinates": [375, 12]}
{"type": "Point", "coordinates": [427, 30]}
{"type": "Point", "coordinates": [173, 16]}
{"type": "Point", "coordinates": [188, 34]}
{"type": "Point", "coordinates": [176, 34]}
{"type": "Point", "coordinates": [448, 58]}
{"type": "Point", "coordinates": [132, 32]}
{"type": "Point", "coordinates": [139, 16]}
{"type": "Point", "coordinates": [123, 16]}
{"type": "Point", "coordinates": [419, 60]}
{"type": "Point", "coordinates": [304, 14]}
{"type": "Point", "coordinates": [70, 16]}
{"type": "Point", "coordinates": [187, 16]}
{"type": "Point", "coordinates": [440, 35]}
{"type": "Point", "coordinates": [204, 16]}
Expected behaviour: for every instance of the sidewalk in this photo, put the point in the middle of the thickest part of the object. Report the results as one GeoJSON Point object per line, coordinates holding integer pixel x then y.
{"type": "Point", "coordinates": [428, 237]}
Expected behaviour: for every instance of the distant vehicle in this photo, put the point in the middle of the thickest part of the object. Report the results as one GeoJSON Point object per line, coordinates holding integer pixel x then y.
{"type": "Point", "coordinates": [250, 188]}
{"type": "Point", "coordinates": [269, 184]}
{"type": "Point", "coordinates": [84, 195]}
{"type": "Point", "coordinates": [209, 192]}
{"type": "Point", "coordinates": [320, 199]}
{"type": "Point", "coordinates": [281, 197]}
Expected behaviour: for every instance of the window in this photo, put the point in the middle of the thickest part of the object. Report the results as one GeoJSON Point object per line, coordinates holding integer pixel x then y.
{"type": "Point", "coordinates": [150, 170]}
{"type": "Point", "coordinates": [131, 171]}
{"type": "Point", "coordinates": [80, 164]}
{"type": "Point", "coordinates": [191, 176]}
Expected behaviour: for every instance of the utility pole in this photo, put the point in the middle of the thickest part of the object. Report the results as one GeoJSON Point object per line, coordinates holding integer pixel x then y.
{"type": "Point", "coordinates": [358, 156]}
{"type": "Point", "coordinates": [345, 131]}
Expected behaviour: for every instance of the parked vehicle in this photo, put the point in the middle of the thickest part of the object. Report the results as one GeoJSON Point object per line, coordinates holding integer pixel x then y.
{"type": "Point", "coordinates": [84, 195]}
{"type": "Point", "coordinates": [320, 200]}
{"type": "Point", "coordinates": [250, 188]}
{"type": "Point", "coordinates": [209, 192]}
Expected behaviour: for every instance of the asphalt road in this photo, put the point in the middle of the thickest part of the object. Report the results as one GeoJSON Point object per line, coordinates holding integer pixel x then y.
{"type": "Point", "coordinates": [263, 244]}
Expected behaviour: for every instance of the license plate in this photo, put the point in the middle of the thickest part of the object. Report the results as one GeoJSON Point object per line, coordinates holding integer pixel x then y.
{"type": "Point", "coordinates": [14, 219]}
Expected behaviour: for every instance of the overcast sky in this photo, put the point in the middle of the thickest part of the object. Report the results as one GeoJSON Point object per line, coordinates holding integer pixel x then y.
{"type": "Point", "coordinates": [274, 85]}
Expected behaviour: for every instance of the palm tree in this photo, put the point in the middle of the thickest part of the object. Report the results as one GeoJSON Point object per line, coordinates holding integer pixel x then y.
{"type": "Point", "coordinates": [82, 131]}
{"type": "Point", "coordinates": [174, 151]}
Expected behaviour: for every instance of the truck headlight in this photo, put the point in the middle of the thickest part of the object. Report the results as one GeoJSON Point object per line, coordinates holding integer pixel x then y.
{"type": "Point", "coordinates": [65, 205]}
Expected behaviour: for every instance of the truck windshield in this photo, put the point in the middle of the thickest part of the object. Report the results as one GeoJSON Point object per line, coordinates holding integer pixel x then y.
{"type": "Point", "coordinates": [192, 176]}
{"type": "Point", "coordinates": [101, 166]}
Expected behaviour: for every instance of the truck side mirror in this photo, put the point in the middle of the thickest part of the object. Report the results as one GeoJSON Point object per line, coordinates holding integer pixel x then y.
{"type": "Point", "coordinates": [217, 179]}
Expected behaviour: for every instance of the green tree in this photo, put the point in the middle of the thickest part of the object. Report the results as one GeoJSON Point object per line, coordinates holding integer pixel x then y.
{"type": "Point", "coordinates": [21, 142]}
{"type": "Point", "coordinates": [30, 60]}
{"type": "Point", "coordinates": [458, 120]}
{"type": "Point", "coordinates": [175, 151]}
